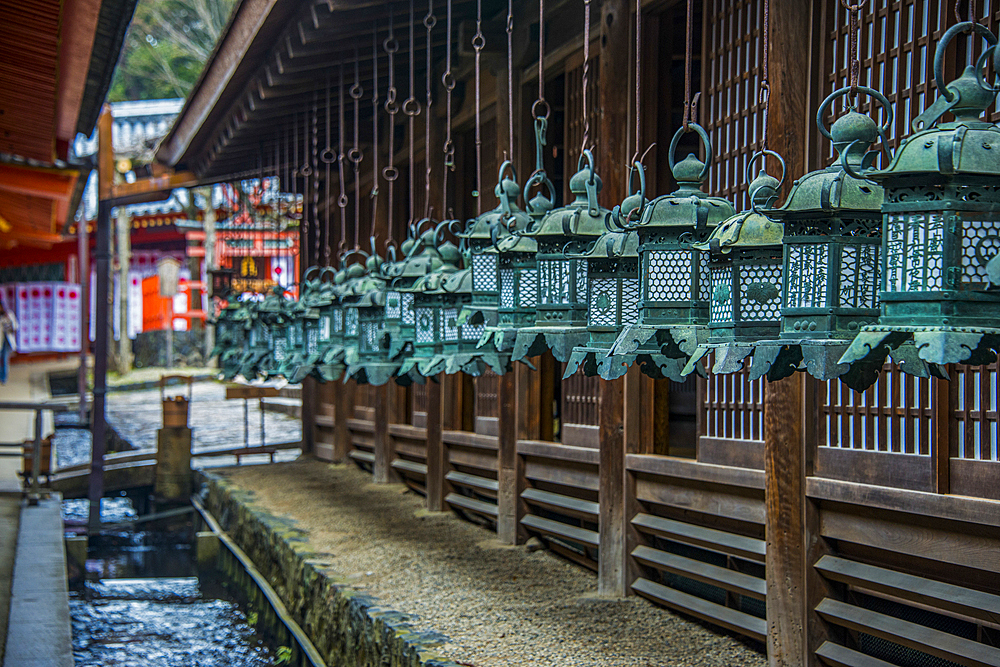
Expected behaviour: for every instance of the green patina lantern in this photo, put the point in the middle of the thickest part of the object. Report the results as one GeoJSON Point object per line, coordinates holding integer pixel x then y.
{"type": "Point", "coordinates": [460, 342]}
{"type": "Point", "coordinates": [312, 335]}
{"type": "Point", "coordinates": [745, 268]}
{"type": "Point", "coordinates": [230, 337]}
{"type": "Point", "coordinates": [330, 366]}
{"type": "Point", "coordinates": [832, 235]}
{"type": "Point", "coordinates": [268, 345]}
{"type": "Point", "coordinates": [674, 277]}
{"type": "Point", "coordinates": [481, 237]}
{"type": "Point", "coordinates": [255, 345]}
{"type": "Point", "coordinates": [357, 285]}
{"type": "Point", "coordinates": [561, 285]}
{"type": "Point", "coordinates": [940, 301]}
{"type": "Point", "coordinates": [429, 298]}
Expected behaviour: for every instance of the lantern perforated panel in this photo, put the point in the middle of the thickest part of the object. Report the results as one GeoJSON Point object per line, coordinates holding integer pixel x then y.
{"type": "Point", "coordinates": [506, 288]}
{"type": "Point", "coordinates": [980, 244]}
{"type": "Point", "coordinates": [721, 309]}
{"type": "Point", "coordinates": [449, 325]}
{"type": "Point", "coordinates": [393, 305]}
{"type": "Point", "coordinates": [808, 267]}
{"type": "Point", "coordinates": [528, 290]}
{"type": "Point", "coordinates": [324, 327]}
{"type": "Point", "coordinates": [484, 272]}
{"type": "Point", "coordinates": [630, 301]}
{"type": "Point", "coordinates": [472, 332]}
{"type": "Point", "coordinates": [425, 325]}
{"type": "Point", "coordinates": [351, 321]}
{"type": "Point", "coordinates": [280, 349]}
{"type": "Point", "coordinates": [760, 286]}
{"type": "Point", "coordinates": [338, 321]}
{"type": "Point", "coordinates": [603, 309]}
{"type": "Point", "coordinates": [704, 277]}
{"type": "Point", "coordinates": [407, 305]}
{"type": "Point", "coordinates": [668, 275]}
{"type": "Point", "coordinates": [554, 282]}
{"type": "Point", "coordinates": [914, 246]}
{"type": "Point", "coordinates": [581, 279]}
{"type": "Point", "coordinates": [370, 335]}
{"type": "Point", "coordinates": [858, 273]}
{"type": "Point", "coordinates": [312, 342]}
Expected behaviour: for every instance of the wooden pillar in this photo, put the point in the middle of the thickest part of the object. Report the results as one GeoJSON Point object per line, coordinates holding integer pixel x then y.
{"type": "Point", "coordinates": [310, 398]}
{"type": "Point", "coordinates": [436, 455]}
{"type": "Point", "coordinates": [385, 453]}
{"type": "Point", "coordinates": [508, 493]}
{"type": "Point", "coordinates": [343, 408]}
{"type": "Point", "coordinates": [790, 523]}
{"type": "Point", "coordinates": [638, 402]}
{"type": "Point", "coordinates": [611, 555]}
{"type": "Point", "coordinates": [613, 152]}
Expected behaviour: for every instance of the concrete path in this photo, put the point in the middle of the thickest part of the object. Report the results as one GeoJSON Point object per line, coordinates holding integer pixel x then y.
{"type": "Point", "coordinates": [38, 629]}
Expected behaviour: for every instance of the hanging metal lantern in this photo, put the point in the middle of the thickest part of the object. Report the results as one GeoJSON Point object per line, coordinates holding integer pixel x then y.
{"type": "Point", "coordinates": [330, 365]}
{"type": "Point", "coordinates": [745, 268]}
{"type": "Point", "coordinates": [612, 291]}
{"type": "Point", "coordinates": [356, 286]}
{"type": "Point", "coordinates": [222, 282]}
{"type": "Point", "coordinates": [230, 337]}
{"type": "Point", "coordinates": [674, 278]}
{"type": "Point", "coordinates": [255, 341]}
{"type": "Point", "coordinates": [832, 234]}
{"type": "Point", "coordinates": [481, 236]}
{"type": "Point", "coordinates": [940, 301]}
{"type": "Point", "coordinates": [561, 291]}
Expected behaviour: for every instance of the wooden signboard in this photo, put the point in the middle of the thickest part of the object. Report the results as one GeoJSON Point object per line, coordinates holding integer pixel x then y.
{"type": "Point", "coordinates": [249, 392]}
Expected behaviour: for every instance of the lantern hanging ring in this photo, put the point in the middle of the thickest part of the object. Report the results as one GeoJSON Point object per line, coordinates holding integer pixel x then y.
{"type": "Point", "coordinates": [706, 142]}
{"type": "Point", "coordinates": [939, 54]}
{"type": "Point", "coordinates": [541, 179]}
{"type": "Point", "coordinates": [586, 155]}
{"type": "Point", "coordinates": [328, 156]}
{"type": "Point", "coordinates": [411, 106]}
{"type": "Point", "coordinates": [763, 153]}
{"type": "Point", "coordinates": [849, 90]}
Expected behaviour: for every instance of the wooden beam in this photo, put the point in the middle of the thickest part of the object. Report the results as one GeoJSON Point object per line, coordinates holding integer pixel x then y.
{"type": "Point", "coordinates": [153, 187]}
{"type": "Point", "coordinates": [382, 470]}
{"type": "Point", "coordinates": [105, 154]}
{"type": "Point", "coordinates": [437, 455]}
{"type": "Point", "coordinates": [615, 65]}
{"type": "Point", "coordinates": [612, 554]}
{"type": "Point", "coordinates": [38, 182]}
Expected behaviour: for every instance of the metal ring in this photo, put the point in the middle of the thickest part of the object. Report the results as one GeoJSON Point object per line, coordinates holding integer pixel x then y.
{"type": "Point", "coordinates": [479, 41]}
{"type": "Point", "coordinates": [356, 91]}
{"type": "Point", "coordinates": [874, 94]}
{"type": "Point", "coordinates": [342, 200]}
{"type": "Point", "coordinates": [355, 155]}
{"type": "Point", "coordinates": [966, 27]}
{"type": "Point", "coordinates": [505, 167]}
{"type": "Point", "coordinates": [391, 45]}
{"type": "Point", "coordinates": [430, 21]}
{"type": "Point", "coordinates": [411, 107]}
{"type": "Point", "coordinates": [535, 106]}
{"type": "Point", "coordinates": [705, 141]}
{"type": "Point", "coordinates": [306, 170]}
{"type": "Point", "coordinates": [390, 173]}
{"type": "Point", "coordinates": [760, 154]}
{"type": "Point", "coordinates": [328, 156]}
{"type": "Point", "coordinates": [586, 155]}
{"type": "Point", "coordinates": [448, 79]}
{"type": "Point", "coordinates": [853, 8]}
{"type": "Point", "coordinates": [391, 107]}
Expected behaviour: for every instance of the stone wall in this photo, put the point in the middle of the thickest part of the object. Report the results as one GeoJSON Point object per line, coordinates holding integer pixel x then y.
{"type": "Point", "coordinates": [346, 626]}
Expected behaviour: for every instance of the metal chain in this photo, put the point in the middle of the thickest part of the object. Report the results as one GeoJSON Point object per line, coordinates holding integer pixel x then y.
{"type": "Point", "coordinates": [295, 162]}
{"type": "Point", "coordinates": [327, 157]}
{"type": "Point", "coordinates": [765, 87]}
{"type": "Point", "coordinates": [375, 170]}
{"type": "Point", "coordinates": [429, 22]}
{"type": "Point", "coordinates": [853, 23]}
{"type": "Point", "coordinates": [971, 10]}
{"type": "Point", "coordinates": [411, 107]}
{"type": "Point", "coordinates": [314, 165]}
{"type": "Point", "coordinates": [448, 79]}
{"type": "Point", "coordinates": [638, 83]}
{"type": "Point", "coordinates": [478, 43]}
{"type": "Point", "coordinates": [690, 105]}
{"type": "Point", "coordinates": [585, 83]}
{"type": "Point", "coordinates": [355, 155]}
{"type": "Point", "coordinates": [510, 78]}
{"type": "Point", "coordinates": [342, 197]}
{"type": "Point", "coordinates": [541, 103]}
{"type": "Point", "coordinates": [390, 173]}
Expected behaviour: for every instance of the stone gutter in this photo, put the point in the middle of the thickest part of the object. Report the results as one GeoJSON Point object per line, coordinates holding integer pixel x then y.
{"type": "Point", "coordinates": [348, 627]}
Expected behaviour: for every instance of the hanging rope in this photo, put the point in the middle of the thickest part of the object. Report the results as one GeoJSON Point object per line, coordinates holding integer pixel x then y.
{"type": "Point", "coordinates": [448, 79]}
{"type": "Point", "coordinates": [295, 163]}
{"type": "Point", "coordinates": [327, 157]}
{"type": "Point", "coordinates": [429, 23]}
{"type": "Point", "coordinates": [585, 83]}
{"type": "Point", "coordinates": [342, 197]}
{"type": "Point", "coordinates": [510, 78]}
{"type": "Point", "coordinates": [375, 170]}
{"type": "Point", "coordinates": [411, 107]}
{"type": "Point", "coordinates": [355, 155]}
{"type": "Point", "coordinates": [478, 43]}
{"type": "Point", "coordinates": [638, 83]}
{"type": "Point", "coordinates": [765, 87]}
{"type": "Point", "coordinates": [690, 105]}
{"type": "Point", "coordinates": [973, 15]}
{"type": "Point", "coordinates": [306, 171]}
{"type": "Point", "coordinates": [540, 102]}
{"type": "Point", "coordinates": [390, 173]}
{"type": "Point", "coordinates": [314, 166]}
{"type": "Point", "coordinates": [853, 23]}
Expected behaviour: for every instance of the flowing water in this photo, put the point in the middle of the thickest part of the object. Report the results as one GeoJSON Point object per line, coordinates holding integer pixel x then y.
{"type": "Point", "coordinates": [141, 603]}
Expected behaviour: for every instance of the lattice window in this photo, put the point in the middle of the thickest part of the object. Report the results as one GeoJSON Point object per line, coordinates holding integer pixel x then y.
{"type": "Point", "coordinates": [581, 279]}
{"type": "Point", "coordinates": [449, 325]}
{"type": "Point", "coordinates": [730, 85]}
{"type": "Point", "coordinates": [506, 288]}
{"type": "Point", "coordinates": [393, 305]}
{"type": "Point", "coordinates": [487, 394]}
{"type": "Point", "coordinates": [893, 415]}
{"type": "Point", "coordinates": [733, 407]}
{"type": "Point", "coordinates": [859, 267]}
{"type": "Point", "coordinates": [407, 304]}
{"type": "Point", "coordinates": [338, 321]}
{"type": "Point", "coordinates": [554, 281]}
{"type": "Point", "coordinates": [630, 300]}
{"type": "Point", "coordinates": [484, 272]}
{"type": "Point", "coordinates": [980, 244]}
{"type": "Point", "coordinates": [756, 302]}
{"type": "Point", "coordinates": [914, 252]}
{"type": "Point", "coordinates": [722, 286]}
{"type": "Point", "coordinates": [425, 325]}
{"type": "Point", "coordinates": [603, 308]}
{"type": "Point", "coordinates": [528, 290]}
{"type": "Point", "coordinates": [581, 400]}
{"type": "Point", "coordinates": [974, 395]}
{"type": "Point", "coordinates": [808, 266]}
{"type": "Point", "coordinates": [418, 393]}
{"type": "Point", "coordinates": [669, 275]}
{"type": "Point", "coordinates": [704, 277]}
{"type": "Point", "coordinates": [351, 321]}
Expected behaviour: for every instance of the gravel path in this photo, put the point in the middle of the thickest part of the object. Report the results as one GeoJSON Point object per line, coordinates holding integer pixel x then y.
{"type": "Point", "coordinates": [498, 605]}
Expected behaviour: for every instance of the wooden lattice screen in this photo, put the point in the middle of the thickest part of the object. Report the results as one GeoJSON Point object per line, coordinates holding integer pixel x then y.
{"type": "Point", "coordinates": [733, 407]}
{"type": "Point", "coordinates": [573, 138]}
{"type": "Point", "coordinates": [487, 399]}
{"type": "Point", "coordinates": [974, 395]}
{"type": "Point", "coordinates": [580, 410]}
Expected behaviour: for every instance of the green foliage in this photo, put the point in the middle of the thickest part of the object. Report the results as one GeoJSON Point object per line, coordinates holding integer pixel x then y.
{"type": "Point", "coordinates": [283, 655]}
{"type": "Point", "coordinates": [252, 618]}
{"type": "Point", "coordinates": [167, 45]}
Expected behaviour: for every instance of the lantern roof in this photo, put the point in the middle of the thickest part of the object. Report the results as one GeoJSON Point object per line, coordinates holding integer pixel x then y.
{"type": "Point", "coordinates": [753, 228]}
{"type": "Point", "coordinates": [581, 217]}
{"type": "Point", "coordinates": [506, 217]}
{"type": "Point", "coordinates": [613, 245]}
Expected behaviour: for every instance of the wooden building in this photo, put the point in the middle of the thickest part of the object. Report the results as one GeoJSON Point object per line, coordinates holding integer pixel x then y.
{"type": "Point", "coordinates": [837, 527]}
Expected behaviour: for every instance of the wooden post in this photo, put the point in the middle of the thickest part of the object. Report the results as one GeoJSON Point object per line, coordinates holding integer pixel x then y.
{"type": "Point", "coordinates": [310, 399]}
{"type": "Point", "coordinates": [638, 428]}
{"type": "Point", "coordinates": [611, 555]}
{"type": "Point", "coordinates": [343, 407]}
{"type": "Point", "coordinates": [615, 65]}
{"type": "Point", "coordinates": [790, 525]}
{"type": "Point", "coordinates": [385, 453]}
{"type": "Point", "coordinates": [508, 494]}
{"type": "Point", "coordinates": [436, 455]}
